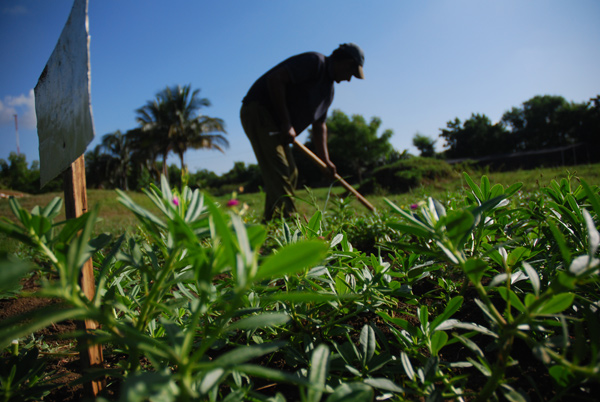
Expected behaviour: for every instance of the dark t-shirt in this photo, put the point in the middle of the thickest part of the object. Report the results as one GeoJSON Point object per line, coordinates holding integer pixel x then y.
{"type": "Point", "coordinates": [309, 94]}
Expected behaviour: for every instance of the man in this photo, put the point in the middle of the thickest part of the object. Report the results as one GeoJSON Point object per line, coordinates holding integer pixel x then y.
{"type": "Point", "coordinates": [281, 104]}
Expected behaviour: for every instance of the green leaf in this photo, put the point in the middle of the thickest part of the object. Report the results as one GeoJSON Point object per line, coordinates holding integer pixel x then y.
{"type": "Point", "coordinates": [53, 208]}
{"type": "Point", "coordinates": [210, 379]}
{"type": "Point", "coordinates": [145, 216]}
{"type": "Point", "coordinates": [489, 205]}
{"type": "Point", "coordinates": [474, 269]}
{"type": "Point", "coordinates": [512, 394]}
{"type": "Point", "coordinates": [40, 225]}
{"type": "Point", "coordinates": [352, 392]}
{"type": "Point", "coordinates": [447, 252]}
{"type": "Point", "coordinates": [270, 374]}
{"type": "Point", "coordinates": [384, 384]}
{"type": "Point", "coordinates": [243, 354]}
{"type": "Point", "coordinates": [496, 190]}
{"type": "Point", "coordinates": [533, 277]}
{"type": "Point", "coordinates": [149, 386]}
{"type": "Point", "coordinates": [223, 233]}
{"type": "Point", "coordinates": [402, 323]}
{"type": "Point", "coordinates": [319, 367]}
{"type": "Point", "coordinates": [517, 255]}
{"type": "Point", "coordinates": [564, 281]}
{"type": "Point", "coordinates": [11, 272]}
{"type": "Point", "coordinates": [593, 235]}
{"type": "Point", "coordinates": [582, 264]}
{"type": "Point", "coordinates": [242, 238]}
{"type": "Point", "coordinates": [458, 225]}
{"type": "Point", "coordinates": [561, 375]}
{"type": "Point", "coordinates": [437, 207]}
{"type": "Point", "coordinates": [292, 258]}
{"type": "Point", "coordinates": [408, 368]}
{"type": "Point", "coordinates": [15, 232]}
{"type": "Point", "coordinates": [368, 343]}
{"type": "Point", "coordinates": [474, 187]}
{"type": "Point", "coordinates": [424, 318]}
{"type": "Point", "coordinates": [556, 304]}
{"type": "Point", "coordinates": [438, 341]}
{"type": "Point", "coordinates": [485, 187]}
{"type": "Point", "coordinates": [409, 217]}
{"type": "Point", "coordinates": [469, 326]}
{"type": "Point", "coordinates": [592, 197]}
{"type": "Point", "coordinates": [508, 294]}
{"type": "Point", "coordinates": [314, 225]}
{"type": "Point", "coordinates": [302, 297]}
{"type": "Point", "coordinates": [414, 230]}
{"type": "Point", "coordinates": [452, 307]}
{"type": "Point", "coordinates": [560, 240]}
{"type": "Point", "coordinates": [469, 344]}
{"type": "Point", "coordinates": [513, 189]}
{"type": "Point", "coordinates": [195, 207]}
{"type": "Point", "coordinates": [260, 321]}
{"type": "Point", "coordinates": [22, 215]}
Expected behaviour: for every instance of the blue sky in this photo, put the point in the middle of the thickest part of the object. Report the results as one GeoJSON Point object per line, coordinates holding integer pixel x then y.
{"type": "Point", "coordinates": [426, 62]}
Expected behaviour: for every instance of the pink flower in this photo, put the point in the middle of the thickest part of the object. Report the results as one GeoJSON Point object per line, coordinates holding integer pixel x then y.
{"type": "Point", "coordinates": [233, 203]}
{"type": "Point", "coordinates": [414, 206]}
{"type": "Point", "coordinates": [176, 201]}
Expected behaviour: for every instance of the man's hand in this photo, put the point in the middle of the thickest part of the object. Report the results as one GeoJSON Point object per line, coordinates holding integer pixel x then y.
{"type": "Point", "coordinates": [289, 136]}
{"type": "Point", "coordinates": [331, 170]}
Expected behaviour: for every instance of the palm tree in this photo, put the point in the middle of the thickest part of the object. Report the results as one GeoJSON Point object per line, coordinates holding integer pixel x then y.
{"type": "Point", "coordinates": [117, 147]}
{"type": "Point", "coordinates": [144, 151]}
{"type": "Point", "coordinates": [173, 124]}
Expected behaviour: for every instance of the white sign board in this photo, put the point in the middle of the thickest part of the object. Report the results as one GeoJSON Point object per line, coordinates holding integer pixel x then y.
{"type": "Point", "coordinates": [62, 98]}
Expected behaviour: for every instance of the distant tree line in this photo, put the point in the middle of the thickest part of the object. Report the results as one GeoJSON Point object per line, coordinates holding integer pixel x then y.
{"type": "Point", "coordinates": [541, 123]}
{"type": "Point", "coordinates": [171, 123]}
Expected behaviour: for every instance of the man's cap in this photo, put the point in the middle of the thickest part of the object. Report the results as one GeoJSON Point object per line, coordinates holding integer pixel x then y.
{"type": "Point", "coordinates": [357, 54]}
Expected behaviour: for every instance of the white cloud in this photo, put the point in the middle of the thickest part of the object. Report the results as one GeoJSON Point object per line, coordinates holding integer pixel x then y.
{"type": "Point", "coordinates": [14, 10]}
{"type": "Point", "coordinates": [23, 106]}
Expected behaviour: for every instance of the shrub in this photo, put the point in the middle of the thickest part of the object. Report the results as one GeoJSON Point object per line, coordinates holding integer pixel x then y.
{"type": "Point", "coordinates": [407, 174]}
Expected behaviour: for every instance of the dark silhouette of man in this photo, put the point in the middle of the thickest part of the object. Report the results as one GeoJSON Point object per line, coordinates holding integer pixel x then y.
{"type": "Point", "coordinates": [281, 104]}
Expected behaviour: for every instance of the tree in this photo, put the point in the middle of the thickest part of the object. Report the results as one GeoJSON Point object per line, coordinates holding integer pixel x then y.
{"type": "Point", "coordinates": [172, 123]}
{"type": "Point", "coordinates": [354, 145]}
{"type": "Point", "coordinates": [424, 144]}
{"type": "Point", "coordinates": [476, 137]}
{"type": "Point", "coordinates": [540, 123]}
{"type": "Point", "coordinates": [117, 148]}
{"type": "Point", "coordinates": [144, 151]}
{"type": "Point", "coordinates": [15, 174]}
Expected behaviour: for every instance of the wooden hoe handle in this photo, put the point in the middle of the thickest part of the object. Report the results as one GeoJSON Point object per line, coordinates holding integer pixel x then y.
{"type": "Point", "coordinates": [344, 183]}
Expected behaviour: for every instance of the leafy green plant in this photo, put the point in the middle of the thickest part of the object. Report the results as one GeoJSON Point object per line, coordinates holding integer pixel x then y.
{"type": "Point", "coordinates": [441, 299]}
{"type": "Point", "coordinates": [467, 238]}
{"type": "Point", "coordinates": [156, 295]}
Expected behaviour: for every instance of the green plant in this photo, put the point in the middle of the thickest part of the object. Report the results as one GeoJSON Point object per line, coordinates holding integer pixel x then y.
{"type": "Point", "coordinates": [156, 295]}
{"type": "Point", "coordinates": [468, 237]}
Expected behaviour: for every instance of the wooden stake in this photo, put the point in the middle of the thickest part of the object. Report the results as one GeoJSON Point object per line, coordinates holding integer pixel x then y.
{"type": "Point", "coordinates": [75, 206]}
{"type": "Point", "coordinates": [344, 183]}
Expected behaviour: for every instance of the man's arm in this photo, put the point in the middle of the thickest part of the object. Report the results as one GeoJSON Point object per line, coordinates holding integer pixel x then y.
{"type": "Point", "coordinates": [276, 84]}
{"type": "Point", "coordinates": [319, 131]}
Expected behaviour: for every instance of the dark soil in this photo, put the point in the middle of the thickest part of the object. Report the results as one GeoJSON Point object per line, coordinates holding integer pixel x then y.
{"type": "Point", "coordinates": [61, 356]}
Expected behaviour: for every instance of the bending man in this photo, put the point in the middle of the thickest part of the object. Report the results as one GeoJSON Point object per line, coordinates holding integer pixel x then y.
{"type": "Point", "coordinates": [284, 102]}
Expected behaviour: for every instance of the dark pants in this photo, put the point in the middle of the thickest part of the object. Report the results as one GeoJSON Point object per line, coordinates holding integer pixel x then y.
{"type": "Point", "coordinates": [277, 165]}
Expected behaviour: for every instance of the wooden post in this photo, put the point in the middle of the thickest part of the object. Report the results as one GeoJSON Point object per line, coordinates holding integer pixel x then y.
{"type": "Point", "coordinates": [75, 206]}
